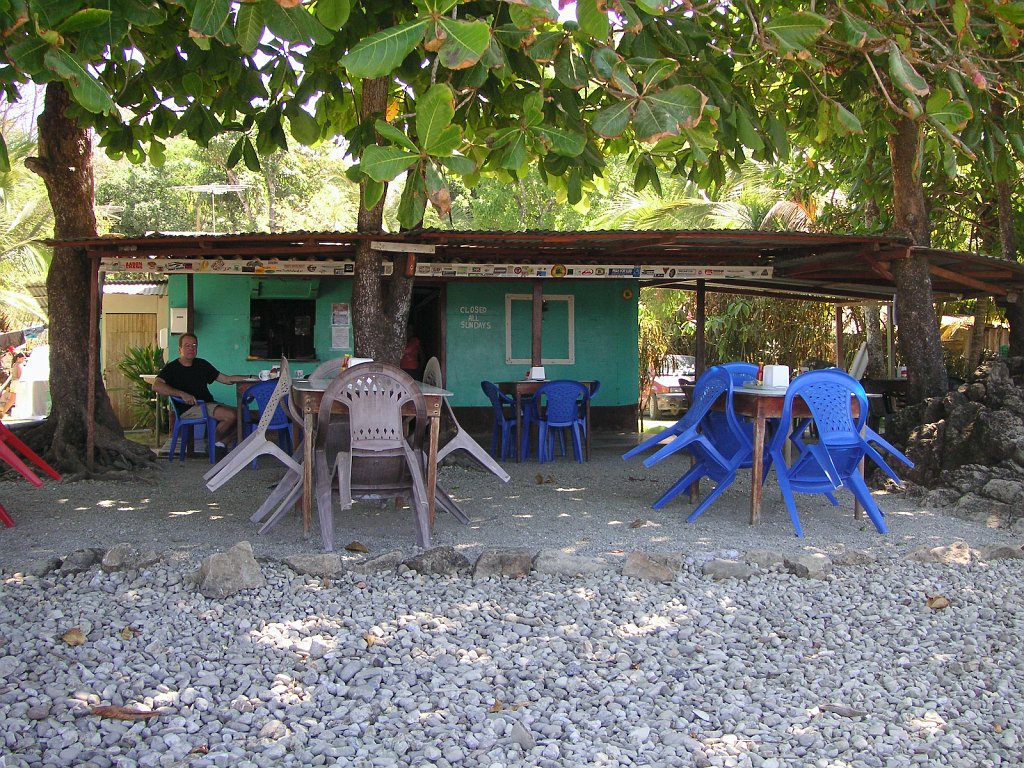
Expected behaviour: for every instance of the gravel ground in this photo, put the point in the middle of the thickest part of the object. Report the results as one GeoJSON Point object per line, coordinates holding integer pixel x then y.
{"type": "Point", "coordinates": [403, 669]}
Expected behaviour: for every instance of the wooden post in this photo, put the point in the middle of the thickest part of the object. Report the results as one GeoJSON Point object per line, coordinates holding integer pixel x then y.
{"type": "Point", "coordinates": [839, 337]}
{"type": "Point", "coordinates": [95, 297]}
{"type": "Point", "coordinates": [699, 352]}
{"type": "Point", "coordinates": [538, 309]}
{"type": "Point", "coordinates": [190, 303]}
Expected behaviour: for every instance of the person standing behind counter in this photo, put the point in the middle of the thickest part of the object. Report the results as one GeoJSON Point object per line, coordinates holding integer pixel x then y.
{"type": "Point", "coordinates": [189, 378]}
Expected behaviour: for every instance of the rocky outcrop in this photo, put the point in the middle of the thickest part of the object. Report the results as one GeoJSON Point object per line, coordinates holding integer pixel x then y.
{"type": "Point", "coordinates": [968, 447]}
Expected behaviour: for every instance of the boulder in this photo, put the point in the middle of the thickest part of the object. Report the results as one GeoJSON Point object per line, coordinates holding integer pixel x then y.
{"type": "Point", "coordinates": [225, 573]}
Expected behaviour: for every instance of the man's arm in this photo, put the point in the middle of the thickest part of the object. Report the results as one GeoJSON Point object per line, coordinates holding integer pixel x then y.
{"type": "Point", "coordinates": [223, 378]}
{"type": "Point", "coordinates": [161, 387]}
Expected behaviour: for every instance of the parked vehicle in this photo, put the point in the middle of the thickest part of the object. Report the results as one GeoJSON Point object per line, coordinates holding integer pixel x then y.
{"type": "Point", "coordinates": [666, 396]}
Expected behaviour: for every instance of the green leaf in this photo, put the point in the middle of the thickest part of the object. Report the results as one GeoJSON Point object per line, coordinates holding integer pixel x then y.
{"type": "Point", "coordinates": [951, 113]}
{"type": "Point", "coordinates": [379, 54]}
{"type": "Point", "coordinates": [459, 164]}
{"type": "Point", "coordinates": [546, 47]}
{"type": "Point", "coordinates": [393, 134]}
{"type": "Point", "coordinates": [84, 19]}
{"type": "Point", "coordinates": [961, 13]}
{"type": "Point", "coordinates": [29, 54]}
{"type": "Point", "coordinates": [622, 79]}
{"type": "Point", "coordinates": [570, 69]}
{"type": "Point", "coordinates": [209, 16]}
{"type": "Point", "coordinates": [385, 163]}
{"type": "Point", "coordinates": [249, 26]}
{"type": "Point", "coordinates": [611, 121]}
{"type": "Point", "coordinates": [236, 153]}
{"type": "Point", "coordinates": [658, 71]}
{"type": "Point", "coordinates": [373, 191]}
{"type": "Point", "coordinates": [1013, 13]}
{"type": "Point", "coordinates": [413, 202]}
{"type": "Point", "coordinates": [857, 32]}
{"type": "Point", "coordinates": [333, 13]}
{"type": "Point", "coordinates": [533, 109]}
{"type": "Point", "coordinates": [746, 131]}
{"type": "Point", "coordinates": [904, 75]}
{"type": "Point", "coordinates": [85, 88]}
{"type": "Point", "coordinates": [465, 43]}
{"type": "Point", "coordinates": [514, 155]}
{"type": "Point", "coordinates": [296, 25]}
{"type": "Point", "coordinates": [848, 122]}
{"type": "Point", "coordinates": [5, 160]}
{"type": "Point", "coordinates": [603, 61]}
{"type": "Point", "coordinates": [797, 31]}
{"type": "Point", "coordinates": [666, 113]}
{"type": "Point", "coordinates": [559, 140]}
{"type": "Point", "coordinates": [434, 112]}
{"type": "Point", "coordinates": [593, 18]}
{"type": "Point", "coordinates": [304, 126]}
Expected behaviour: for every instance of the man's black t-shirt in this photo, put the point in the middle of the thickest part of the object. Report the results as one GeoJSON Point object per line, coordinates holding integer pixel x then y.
{"type": "Point", "coordinates": [194, 379]}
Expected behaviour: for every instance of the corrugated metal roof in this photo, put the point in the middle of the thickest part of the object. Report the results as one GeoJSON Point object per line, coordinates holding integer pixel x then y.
{"type": "Point", "coordinates": [808, 265]}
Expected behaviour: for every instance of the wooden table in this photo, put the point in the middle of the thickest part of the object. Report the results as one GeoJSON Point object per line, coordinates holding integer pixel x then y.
{"type": "Point", "coordinates": [528, 387]}
{"type": "Point", "coordinates": [761, 405]}
{"type": "Point", "coordinates": [307, 395]}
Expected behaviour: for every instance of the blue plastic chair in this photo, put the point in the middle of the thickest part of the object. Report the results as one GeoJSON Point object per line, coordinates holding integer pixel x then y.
{"type": "Point", "coordinates": [504, 419]}
{"type": "Point", "coordinates": [833, 462]}
{"type": "Point", "coordinates": [259, 395]}
{"type": "Point", "coordinates": [184, 430]}
{"type": "Point", "coordinates": [719, 446]}
{"type": "Point", "coordinates": [561, 411]}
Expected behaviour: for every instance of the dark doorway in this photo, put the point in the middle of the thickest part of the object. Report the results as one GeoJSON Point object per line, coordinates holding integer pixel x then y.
{"type": "Point", "coordinates": [425, 313]}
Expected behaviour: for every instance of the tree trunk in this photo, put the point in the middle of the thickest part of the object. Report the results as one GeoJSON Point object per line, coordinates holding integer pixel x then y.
{"type": "Point", "coordinates": [919, 340]}
{"type": "Point", "coordinates": [878, 367]}
{"type": "Point", "coordinates": [65, 164]}
{"type": "Point", "coordinates": [1008, 237]}
{"type": "Point", "coordinates": [380, 308]}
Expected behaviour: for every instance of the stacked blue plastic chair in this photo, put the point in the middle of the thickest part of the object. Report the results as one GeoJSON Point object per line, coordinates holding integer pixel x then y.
{"type": "Point", "coordinates": [184, 430]}
{"type": "Point", "coordinates": [504, 420]}
{"type": "Point", "coordinates": [561, 411]}
{"type": "Point", "coordinates": [259, 395]}
{"type": "Point", "coordinates": [719, 448]}
{"type": "Point", "coordinates": [833, 462]}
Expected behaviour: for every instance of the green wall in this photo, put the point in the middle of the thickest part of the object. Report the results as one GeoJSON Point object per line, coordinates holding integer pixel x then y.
{"type": "Point", "coordinates": [605, 337]}
{"type": "Point", "coordinates": [605, 315]}
{"type": "Point", "coordinates": [222, 323]}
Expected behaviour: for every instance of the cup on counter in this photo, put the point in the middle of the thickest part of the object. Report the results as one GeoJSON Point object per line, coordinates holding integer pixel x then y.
{"type": "Point", "coordinates": [299, 374]}
{"type": "Point", "coordinates": [264, 375]}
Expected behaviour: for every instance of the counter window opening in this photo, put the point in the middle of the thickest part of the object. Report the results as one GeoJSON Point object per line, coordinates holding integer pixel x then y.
{"type": "Point", "coordinates": [282, 327]}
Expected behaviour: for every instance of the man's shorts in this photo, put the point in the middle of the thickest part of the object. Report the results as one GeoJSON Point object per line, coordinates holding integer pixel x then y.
{"type": "Point", "coordinates": [196, 411]}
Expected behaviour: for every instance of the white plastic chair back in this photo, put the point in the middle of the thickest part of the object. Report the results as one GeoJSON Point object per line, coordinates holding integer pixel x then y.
{"type": "Point", "coordinates": [860, 362]}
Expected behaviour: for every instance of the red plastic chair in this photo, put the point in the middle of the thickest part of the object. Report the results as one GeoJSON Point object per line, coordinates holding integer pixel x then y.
{"type": "Point", "coordinates": [8, 445]}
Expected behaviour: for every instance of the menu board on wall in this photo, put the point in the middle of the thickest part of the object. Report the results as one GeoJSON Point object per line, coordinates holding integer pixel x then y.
{"type": "Point", "coordinates": [341, 326]}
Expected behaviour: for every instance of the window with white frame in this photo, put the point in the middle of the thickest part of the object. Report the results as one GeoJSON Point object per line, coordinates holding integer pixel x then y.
{"type": "Point", "coordinates": [558, 329]}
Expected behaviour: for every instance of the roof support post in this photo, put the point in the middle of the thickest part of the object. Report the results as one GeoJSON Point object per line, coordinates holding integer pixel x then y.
{"type": "Point", "coordinates": [699, 351]}
{"type": "Point", "coordinates": [840, 355]}
{"type": "Point", "coordinates": [538, 318]}
{"type": "Point", "coordinates": [190, 302]}
{"type": "Point", "coordinates": [95, 296]}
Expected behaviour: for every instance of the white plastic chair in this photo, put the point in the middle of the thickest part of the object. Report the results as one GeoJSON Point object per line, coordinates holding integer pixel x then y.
{"type": "Point", "coordinates": [859, 366]}
{"type": "Point", "coordinates": [462, 440]}
{"type": "Point", "coordinates": [257, 443]}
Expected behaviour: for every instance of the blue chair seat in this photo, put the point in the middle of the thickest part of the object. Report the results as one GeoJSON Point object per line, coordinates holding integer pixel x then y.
{"type": "Point", "coordinates": [259, 395]}
{"type": "Point", "coordinates": [557, 408]}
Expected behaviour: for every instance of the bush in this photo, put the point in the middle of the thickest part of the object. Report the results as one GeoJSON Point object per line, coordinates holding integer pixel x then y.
{"type": "Point", "coordinates": [136, 362]}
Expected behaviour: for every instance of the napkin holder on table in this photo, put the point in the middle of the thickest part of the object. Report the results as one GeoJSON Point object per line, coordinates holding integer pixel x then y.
{"type": "Point", "coordinates": [536, 373]}
{"type": "Point", "coordinates": [776, 376]}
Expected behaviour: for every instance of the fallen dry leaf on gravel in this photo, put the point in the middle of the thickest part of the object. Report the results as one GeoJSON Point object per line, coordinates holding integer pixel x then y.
{"type": "Point", "coordinates": [938, 602]}
{"type": "Point", "coordinates": [73, 637]}
{"type": "Point", "coordinates": [117, 712]}
{"type": "Point", "coordinates": [356, 546]}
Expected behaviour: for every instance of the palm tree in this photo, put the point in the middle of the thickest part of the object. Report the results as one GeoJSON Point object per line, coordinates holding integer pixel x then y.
{"type": "Point", "coordinates": [25, 219]}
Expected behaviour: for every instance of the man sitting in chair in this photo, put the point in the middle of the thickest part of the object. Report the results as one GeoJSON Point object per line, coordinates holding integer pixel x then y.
{"type": "Point", "coordinates": [189, 378]}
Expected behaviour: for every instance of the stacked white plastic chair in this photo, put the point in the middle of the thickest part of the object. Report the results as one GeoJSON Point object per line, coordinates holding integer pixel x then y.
{"type": "Point", "coordinates": [257, 443]}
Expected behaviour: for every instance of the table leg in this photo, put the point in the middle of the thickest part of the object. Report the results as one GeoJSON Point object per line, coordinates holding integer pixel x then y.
{"type": "Point", "coordinates": [588, 429]}
{"type": "Point", "coordinates": [435, 428]}
{"type": "Point", "coordinates": [238, 421]}
{"type": "Point", "coordinates": [757, 470]}
{"type": "Point", "coordinates": [307, 471]}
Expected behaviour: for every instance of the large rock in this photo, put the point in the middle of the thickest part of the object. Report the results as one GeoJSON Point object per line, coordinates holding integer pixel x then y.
{"type": "Point", "coordinates": [225, 573]}
{"type": "Point", "coordinates": [128, 557]}
{"type": "Point", "coordinates": [439, 561]}
{"type": "Point", "coordinates": [317, 564]}
{"type": "Point", "coordinates": [970, 443]}
{"type": "Point", "coordinates": [559, 563]}
{"type": "Point", "coordinates": [514, 563]}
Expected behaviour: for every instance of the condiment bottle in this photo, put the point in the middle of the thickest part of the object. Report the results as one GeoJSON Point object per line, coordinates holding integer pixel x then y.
{"type": "Point", "coordinates": [760, 375]}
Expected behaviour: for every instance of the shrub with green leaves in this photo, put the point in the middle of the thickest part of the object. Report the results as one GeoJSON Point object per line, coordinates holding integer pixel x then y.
{"type": "Point", "coordinates": [137, 362]}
